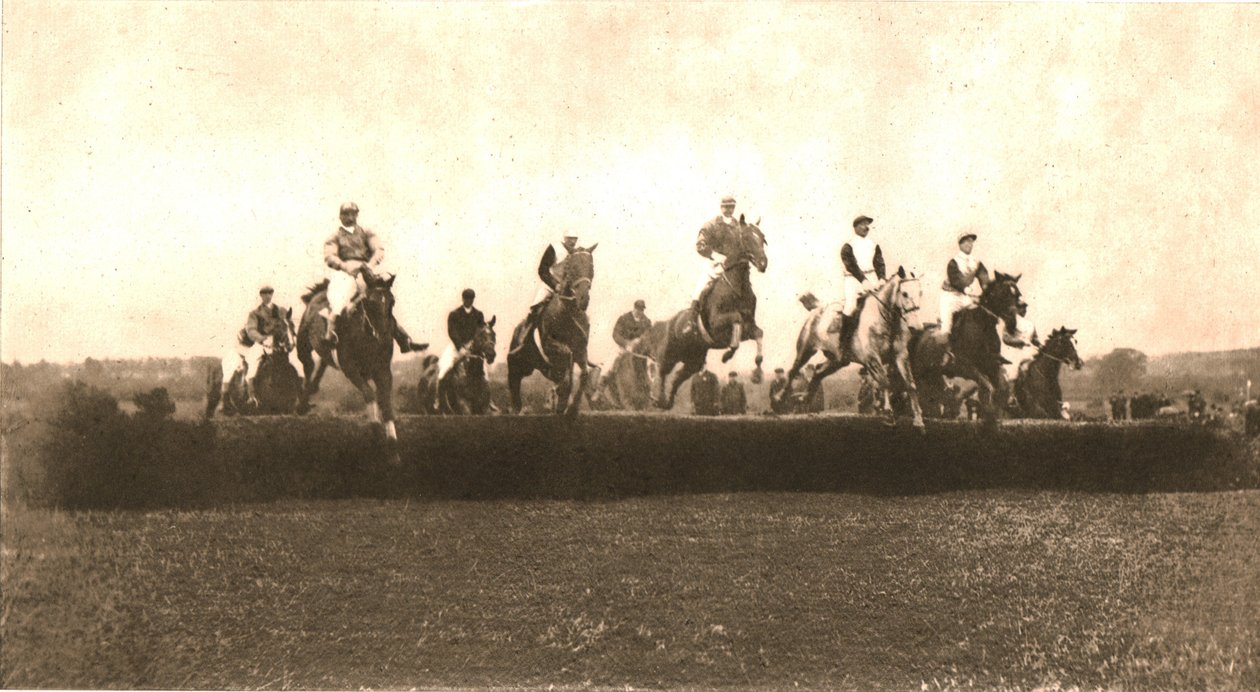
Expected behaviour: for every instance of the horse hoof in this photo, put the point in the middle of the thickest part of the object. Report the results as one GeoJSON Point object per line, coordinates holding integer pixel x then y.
{"type": "Point", "coordinates": [728, 355]}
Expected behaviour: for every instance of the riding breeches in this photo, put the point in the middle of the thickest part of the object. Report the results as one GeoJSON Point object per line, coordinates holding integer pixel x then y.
{"type": "Point", "coordinates": [252, 355]}
{"type": "Point", "coordinates": [446, 361]}
{"type": "Point", "coordinates": [543, 293]}
{"type": "Point", "coordinates": [712, 270]}
{"type": "Point", "coordinates": [852, 291]}
{"type": "Point", "coordinates": [951, 303]}
{"type": "Point", "coordinates": [341, 290]}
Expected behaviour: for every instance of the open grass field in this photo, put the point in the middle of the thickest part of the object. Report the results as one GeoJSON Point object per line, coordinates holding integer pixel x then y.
{"type": "Point", "coordinates": [994, 587]}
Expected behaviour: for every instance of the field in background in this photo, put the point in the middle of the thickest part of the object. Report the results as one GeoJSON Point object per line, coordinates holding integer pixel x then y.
{"type": "Point", "coordinates": [991, 588]}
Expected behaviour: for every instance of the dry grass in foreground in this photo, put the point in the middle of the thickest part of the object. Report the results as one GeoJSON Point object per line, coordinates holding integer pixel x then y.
{"type": "Point", "coordinates": [992, 588]}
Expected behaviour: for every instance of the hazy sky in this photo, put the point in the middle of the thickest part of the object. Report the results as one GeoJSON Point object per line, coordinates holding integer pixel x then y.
{"type": "Point", "coordinates": [161, 160]}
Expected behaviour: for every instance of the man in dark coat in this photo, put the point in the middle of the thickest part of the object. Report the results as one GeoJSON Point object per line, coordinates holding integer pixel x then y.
{"type": "Point", "coordinates": [704, 393]}
{"type": "Point", "coordinates": [462, 324]}
{"type": "Point", "coordinates": [777, 385]}
{"type": "Point", "coordinates": [734, 398]}
{"type": "Point", "coordinates": [631, 326]}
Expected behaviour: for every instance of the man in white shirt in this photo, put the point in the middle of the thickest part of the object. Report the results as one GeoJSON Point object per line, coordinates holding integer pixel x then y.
{"type": "Point", "coordinates": [965, 279]}
{"type": "Point", "coordinates": [863, 263]}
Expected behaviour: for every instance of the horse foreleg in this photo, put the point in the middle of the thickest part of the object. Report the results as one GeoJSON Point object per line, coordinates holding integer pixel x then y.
{"type": "Point", "coordinates": [912, 389]}
{"type": "Point", "coordinates": [517, 371]}
{"type": "Point", "coordinates": [803, 354]}
{"type": "Point", "coordinates": [736, 330]}
{"type": "Point", "coordinates": [832, 365]}
{"type": "Point", "coordinates": [663, 370]}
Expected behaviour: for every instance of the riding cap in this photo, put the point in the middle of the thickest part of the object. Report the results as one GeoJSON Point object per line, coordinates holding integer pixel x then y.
{"type": "Point", "coordinates": [734, 374]}
{"type": "Point", "coordinates": [778, 371]}
{"type": "Point", "coordinates": [571, 234]}
{"type": "Point", "coordinates": [965, 235]}
{"type": "Point", "coordinates": [861, 220]}
{"type": "Point", "coordinates": [468, 294]}
{"type": "Point", "coordinates": [640, 304]}
{"type": "Point", "coordinates": [350, 206]}
{"type": "Point", "coordinates": [728, 201]}
{"type": "Point", "coordinates": [266, 288]}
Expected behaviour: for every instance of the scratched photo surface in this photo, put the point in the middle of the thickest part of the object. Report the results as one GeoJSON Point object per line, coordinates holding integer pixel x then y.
{"type": "Point", "coordinates": [164, 162]}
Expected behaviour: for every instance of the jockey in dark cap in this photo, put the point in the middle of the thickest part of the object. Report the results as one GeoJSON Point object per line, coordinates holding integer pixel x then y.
{"type": "Point", "coordinates": [261, 325]}
{"type": "Point", "coordinates": [712, 243]}
{"type": "Point", "coordinates": [863, 263]}
{"type": "Point", "coordinates": [462, 324]}
{"type": "Point", "coordinates": [554, 254]}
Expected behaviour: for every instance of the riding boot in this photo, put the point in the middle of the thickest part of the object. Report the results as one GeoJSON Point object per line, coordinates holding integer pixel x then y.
{"type": "Point", "coordinates": [405, 344]}
{"type": "Point", "coordinates": [250, 394]}
{"type": "Point", "coordinates": [848, 325]}
{"type": "Point", "coordinates": [330, 321]}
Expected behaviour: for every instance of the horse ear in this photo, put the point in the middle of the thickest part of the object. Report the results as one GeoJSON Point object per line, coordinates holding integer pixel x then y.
{"type": "Point", "coordinates": [1070, 331]}
{"type": "Point", "coordinates": [289, 312]}
{"type": "Point", "coordinates": [1015, 279]}
{"type": "Point", "coordinates": [592, 248]}
{"type": "Point", "coordinates": [741, 219]}
{"type": "Point", "coordinates": [389, 283]}
{"type": "Point", "coordinates": [757, 222]}
{"type": "Point", "coordinates": [901, 271]}
{"type": "Point", "coordinates": [492, 320]}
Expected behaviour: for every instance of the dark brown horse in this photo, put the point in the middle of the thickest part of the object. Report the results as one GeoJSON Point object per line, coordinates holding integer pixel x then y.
{"type": "Point", "coordinates": [1037, 384]}
{"type": "Point", "coordinates": [728, 316]}
{"type": "Point", "coordinates": [364, 349]}
{"type": "Point", "coordinates": [464, 390]}
{"type": "Point", "coordinates": [973, 349]}
{"type": "Point", "coordinates": [560, 340]}
{"type": "Point", "coordinates": [277, 384]}
{"type": "Point", "coordinates": [881, 342]}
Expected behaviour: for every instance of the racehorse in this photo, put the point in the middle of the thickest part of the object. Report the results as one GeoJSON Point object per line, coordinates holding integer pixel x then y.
{"type": "Point", "coordinates": [464, 389]}
{"type": "Point", "coordinates": [277, 385]}
{"type": "Point", "coordinates": [973, 349]}
{"type": "Point", "coordinates": [726, 307]}
{"type": "Point", "coordinates": [559, 340]}
{"type": "Point", "coordinates": [1037, 384]}
{"type": "Point", "coordinates": [628, 385]}
{"type": "Point", "coordinates": [364, 348]}
{"type": "Point", "coordinates": [881, 342]}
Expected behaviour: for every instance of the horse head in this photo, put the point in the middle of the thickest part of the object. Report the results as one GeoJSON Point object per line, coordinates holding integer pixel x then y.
{"type": "Point", "coordinates": [378, 305]}
{"type": "Point", "coordinates": [484, 341]}
{"type": "Point", "coordinates": [1062, 346]}
{"type": "Point", "coordinates": [287, 335]}
{"type": "Point", "coordinates": [909, 296]}
{"type": "Point", "coordinates": [1003, 298]}
{"type": "Point", "coordinates": [579, 272]}
{"type": "Point", "coordinates": [752, 244]}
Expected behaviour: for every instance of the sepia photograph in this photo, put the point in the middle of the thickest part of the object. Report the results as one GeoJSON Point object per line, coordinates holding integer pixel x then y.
{"type": "Point", "coordinates": [534, 344]}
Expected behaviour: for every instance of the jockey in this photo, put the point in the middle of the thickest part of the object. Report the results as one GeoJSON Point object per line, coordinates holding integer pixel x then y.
{"type": "Point", "coordinates": [462, 324]}
{"type": "Point", "coordinates": [1018, 342]}
{"type": "Point", "coordinates": [863, 262]}
{"type": "Point", "coordinates": [712, 245]}
{"type": "Point", "coordinates": [631, 326]}
{"type": "Point", "coordinates": [551, 256]}
{"type": "Point", "coordinates": [348, 252]}
{"type": "Point", "coordinates": [253, 341]}
{"type": "Point", "coordinates": [965, 279]}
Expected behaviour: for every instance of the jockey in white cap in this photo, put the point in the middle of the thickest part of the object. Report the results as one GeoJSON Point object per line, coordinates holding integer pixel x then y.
{"type": "Point", "coordinates": [863, 263]}
{"type": "Point", "coordinates": [548, 281]}
{"type": "Point", "coordinates": [709, 245]}
{"type": "Point", "coordinates": [348, 252]}
{"type": "Point", "coordinates": [965, 279]}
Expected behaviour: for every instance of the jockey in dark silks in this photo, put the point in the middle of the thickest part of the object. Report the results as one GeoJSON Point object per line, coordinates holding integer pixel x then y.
{"type": "Point", "coordinates": [713, 244]}
{"type": "Point", "coordinates": [262, 325]}
{"type": "Point", "coordinates": [554, 254]}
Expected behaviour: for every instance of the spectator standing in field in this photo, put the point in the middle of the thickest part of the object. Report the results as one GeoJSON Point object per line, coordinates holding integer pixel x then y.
{"type": "Point", "coordinates": [704, 393]}
{"type": "Point", "coordinates": [778, 384]}
{"type": "Point", "coordinates": [734, 398]}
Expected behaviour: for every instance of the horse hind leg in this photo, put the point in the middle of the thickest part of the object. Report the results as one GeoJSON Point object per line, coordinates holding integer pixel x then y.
{"type": "Point", "coordinates": [214, 390]}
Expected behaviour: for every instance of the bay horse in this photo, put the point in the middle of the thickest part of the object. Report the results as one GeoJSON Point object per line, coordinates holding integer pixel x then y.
{"type": "Point", "coordinates": [887, 318]}
{"type": "Point", "coordinates": [364, 349]}
{"type": "Point", "coordinates": [559, 340]}
{"type": "Point", "coordinates": [1037, 383]}
{"type": "Point", "coordinates": [726, 308]}
{"type": "Point", "coordinates": [973, 349]}
{"type": "Point", "coordinates": [277, 385]}
{"type": "Point", "coordinates": [465, 390]}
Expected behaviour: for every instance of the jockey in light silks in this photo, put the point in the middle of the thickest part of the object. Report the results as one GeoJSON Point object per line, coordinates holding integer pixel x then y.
{"type": "Point", "coordinates": [1019, 345]}
{"type": "Point", "coordinates": [965, 279]}
{"type": "Point", "coordinates": [350, 251]}
{"type": "Point", "coordinates": [253, 341]}
{"type": "Point", "coordinates": [863, 262]}
{"type": "Point", "coordinates": [710, 245]}
{"type": "Point", "coordinates": [554, 254]}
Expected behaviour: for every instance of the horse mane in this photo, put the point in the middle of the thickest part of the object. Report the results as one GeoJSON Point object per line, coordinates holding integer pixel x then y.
{"type": "Point", "coordinates": [314, 289]}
